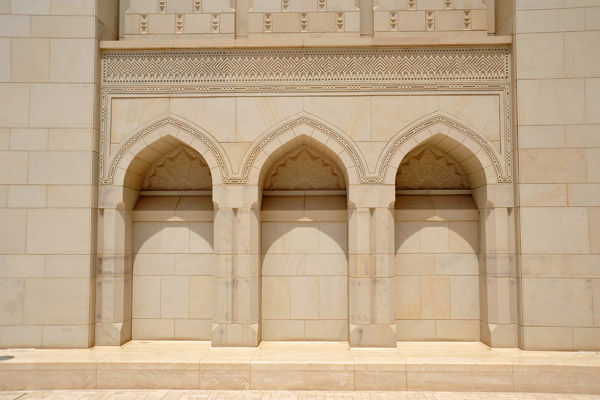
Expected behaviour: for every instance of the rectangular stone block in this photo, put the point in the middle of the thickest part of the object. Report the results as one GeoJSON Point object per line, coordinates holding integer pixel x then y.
{"type": "Point", "coordinates": [72, 60]}
{"type": "Point", "coordinates": [71, 7]}
{"type": "Point", "coordinates": [554, 230]}
{"type": "Point", "coordinates": [66, 337]}
{"type": "Point", "coordinates": [30, 60]}
{"type": "Point", "coordinates": [21, 336]}
{"type": "Point", "coordinates": [546, 101]}
{"type": "Point", "coordinates": [557, 302]}
{"type": "Point", "coordinates": [63, 26]}
{"type": "Point", "coordinates": [13, 167]}
{"type": "Point", "coordinates": [59, 231]}
{"type": "Point", "coordinates": [12, 231]}
{"type": "Point", "coordinates": [57, 301]}
{"type": "Point", "coordinates": [557, 20]}
{"type": "Point", "coordinates": [15, 25]}
{"type": "Point", "coordinates": [534, 195]}
{"type": "Point", "coordinates": [552, 165]}
{"type": "Point", "coordinates": [580, 58]}
{"type": "Point", "coordinates": [12, 296]}
{"type": "Point", "coordinates": [14, 104]}
{"type": "Point", "coordinates": [62, 106]}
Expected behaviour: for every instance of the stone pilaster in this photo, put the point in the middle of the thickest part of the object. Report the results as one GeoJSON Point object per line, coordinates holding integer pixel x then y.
{"type": "Point", "coordinates": [371, 266]}
{"type": "Point", "coordinates": [114, 278]}
{"type": "Point", "coordinates": [497, 263]}
{"type": "Point", "coordinates": [237, 277]}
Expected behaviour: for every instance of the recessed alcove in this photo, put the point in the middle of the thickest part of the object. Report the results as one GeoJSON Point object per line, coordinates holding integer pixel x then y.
{"type": "Point", "coordinates": [437, 245]}
{"type": "Point", "coordinates": [172, 249]}
{"type": "Point", "coordinates": [304, 249]}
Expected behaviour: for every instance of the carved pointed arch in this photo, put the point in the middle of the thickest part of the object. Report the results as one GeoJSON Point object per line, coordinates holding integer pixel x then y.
{"type": "Point", "coordinates": [441, 127]}
{"type": "Point", "coordinates": [298, 130]}
{"type": "Point", "coordinates": [178, 130]}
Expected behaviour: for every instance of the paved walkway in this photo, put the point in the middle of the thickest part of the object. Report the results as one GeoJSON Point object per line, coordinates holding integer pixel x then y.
{"type": "Point", "coordinates": [278, 395]}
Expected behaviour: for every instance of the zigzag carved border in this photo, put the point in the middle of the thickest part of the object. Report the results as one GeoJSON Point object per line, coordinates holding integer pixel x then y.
{"type": "Point", "coordinates": [305, 65]}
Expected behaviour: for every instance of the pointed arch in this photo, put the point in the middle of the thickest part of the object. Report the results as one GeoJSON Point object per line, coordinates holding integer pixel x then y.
{"type": "Point", "coordinates": [303, 129]}
{"type": "Point", "coordinates": [441, 127]}
{"type": "Point", "coordinates": [174, 128]}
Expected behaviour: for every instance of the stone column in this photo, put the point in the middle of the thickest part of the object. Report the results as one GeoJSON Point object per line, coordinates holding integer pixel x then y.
{"type": "Point", "coordinates": [497, 264]}
{"type": "Point", "coordinates": [371, 265]}
{"type": "Point", "coordinates": [237, 256]}
{"type": "Point", "coordinates": [114, 266]}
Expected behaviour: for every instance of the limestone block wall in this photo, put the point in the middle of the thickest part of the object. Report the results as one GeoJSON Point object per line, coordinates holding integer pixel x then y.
{"type": "Point", "coordinates": [304, 268]}
{"type": "Point", "coordinates": [437, 268]}
{"type": "Point", "coordinates": [219, 19]}
{"type": "Point", "coordinates": [557, 70]}
{"type": "Point", "coordinates": [48, 152]}
{"type": "Point", "coordinates": [173, 268]}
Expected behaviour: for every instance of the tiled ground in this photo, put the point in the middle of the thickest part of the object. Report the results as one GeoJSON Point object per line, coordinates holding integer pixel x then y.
{"type": "Point", "coordinates": [277, 395]}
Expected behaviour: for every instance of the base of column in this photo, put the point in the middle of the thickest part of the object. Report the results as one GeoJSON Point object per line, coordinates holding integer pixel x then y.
{"type": "Point", "coordinates": [235, 335]}
{"type": "Point", "coordinates": [112, 333]}
{"type": "Point", "coordinates": [373, 335]}
{"type": "Point", "coordinates": [499, 336]}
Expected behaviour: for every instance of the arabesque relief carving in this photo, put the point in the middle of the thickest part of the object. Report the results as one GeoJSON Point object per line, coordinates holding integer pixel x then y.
{"type": "Point", "coordinates": [429, 168]}
{"type": "Point", "coordinates": [304, 169]}
{"type": "Point", "coordinates": [182, 170]}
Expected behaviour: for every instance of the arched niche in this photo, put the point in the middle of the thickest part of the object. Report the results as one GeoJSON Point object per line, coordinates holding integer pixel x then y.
{"type": "Point", "coordinates": [452, 236]}
{"type": "Point", "coordinates": [155, 246]}
{"type": "Point", "coordinates": [304, 232]}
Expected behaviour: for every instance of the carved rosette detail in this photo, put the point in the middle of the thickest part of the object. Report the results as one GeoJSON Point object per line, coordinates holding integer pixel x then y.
{"type": "Point", "coordinates": [428, 168]}
{"type": "Point", "coordinates": [182, 169]}
{"type": "Point", "coordinates": [304, 169]}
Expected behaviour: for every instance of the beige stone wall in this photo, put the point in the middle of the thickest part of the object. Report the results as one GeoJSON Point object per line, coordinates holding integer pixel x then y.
{"type": "Point", "coordinates": [557, 70]}
{"type": "Point", "coordinates": [48, 154]}
{"type": "Point", "coordinates": [304, 268]}
{"type": "Point", "coordinates": [437, 268]}
{"type": "Point", "coordinates": [228, 19]}
{"type": "Point", "coordinates": [173, 268]}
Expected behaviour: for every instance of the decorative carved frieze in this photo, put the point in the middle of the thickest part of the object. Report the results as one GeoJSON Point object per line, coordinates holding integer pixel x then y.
{"type": "Point", "coordinates": [305, 65]}
{"type": "Point", "coordinates": [370, 71]}
{"type": "Point", "coordinates": [181, 170]}
{"type": "Point", "coordinates": [429, 168]}
{"type": "Point", "coordinates": [304, 169]}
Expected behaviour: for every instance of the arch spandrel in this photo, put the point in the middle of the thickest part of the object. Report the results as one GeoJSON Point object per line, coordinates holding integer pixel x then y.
{"type": "Point", "coordinates": [170, 128]}
{"type": "Point", "coordinates": [436, 128]}
{"type": "Point", "coordinates": [294, 132]}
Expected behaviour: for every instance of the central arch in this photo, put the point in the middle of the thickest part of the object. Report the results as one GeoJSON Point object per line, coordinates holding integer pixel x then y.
{"type": "Point", "coordinates": [303, 128]}
{"type": "Point", "coordinates": [304, 247]}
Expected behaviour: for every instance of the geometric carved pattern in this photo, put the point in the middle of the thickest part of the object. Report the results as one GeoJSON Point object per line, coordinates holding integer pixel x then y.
{"type": "Point", "coordinates": [304, 65]}
{"type": "Point", "coordinates": [272, 136]}
{"type": "Point", "coordinates": [396, 143]}
{"type": "Point", "coordinates": [304, 169]}
{"type": "Point", "coordinates": [182, 169]}
{"type": "Point", "coordinates": [429, 168]}
{"type": "Point", "coordinates": [326, 71]}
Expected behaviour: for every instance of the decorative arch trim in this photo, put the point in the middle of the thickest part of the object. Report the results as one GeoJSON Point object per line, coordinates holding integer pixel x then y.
{"type": "Point", "coordinates": [338, 137]}
{"type": "Point", "coordinates": [389, 160]}
{"type": "Point", "coordinates": [186, 132]}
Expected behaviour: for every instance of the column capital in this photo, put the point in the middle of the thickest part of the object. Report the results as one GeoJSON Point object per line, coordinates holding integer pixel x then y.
{"type": "Point", "coordinates": [236, 196]}
{"type": "Point", "coordinates": [371, 196]}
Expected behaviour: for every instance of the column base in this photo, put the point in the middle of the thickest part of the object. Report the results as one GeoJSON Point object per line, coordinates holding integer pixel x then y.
{"type": "Point", "coordinates": [235, 335]}
{"type": "Point", "coordinates": [113, 333]}
{"type": "Point", "coordinates": [499, 336]}
{"type": "Point", "coordinates": [373, 335]}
